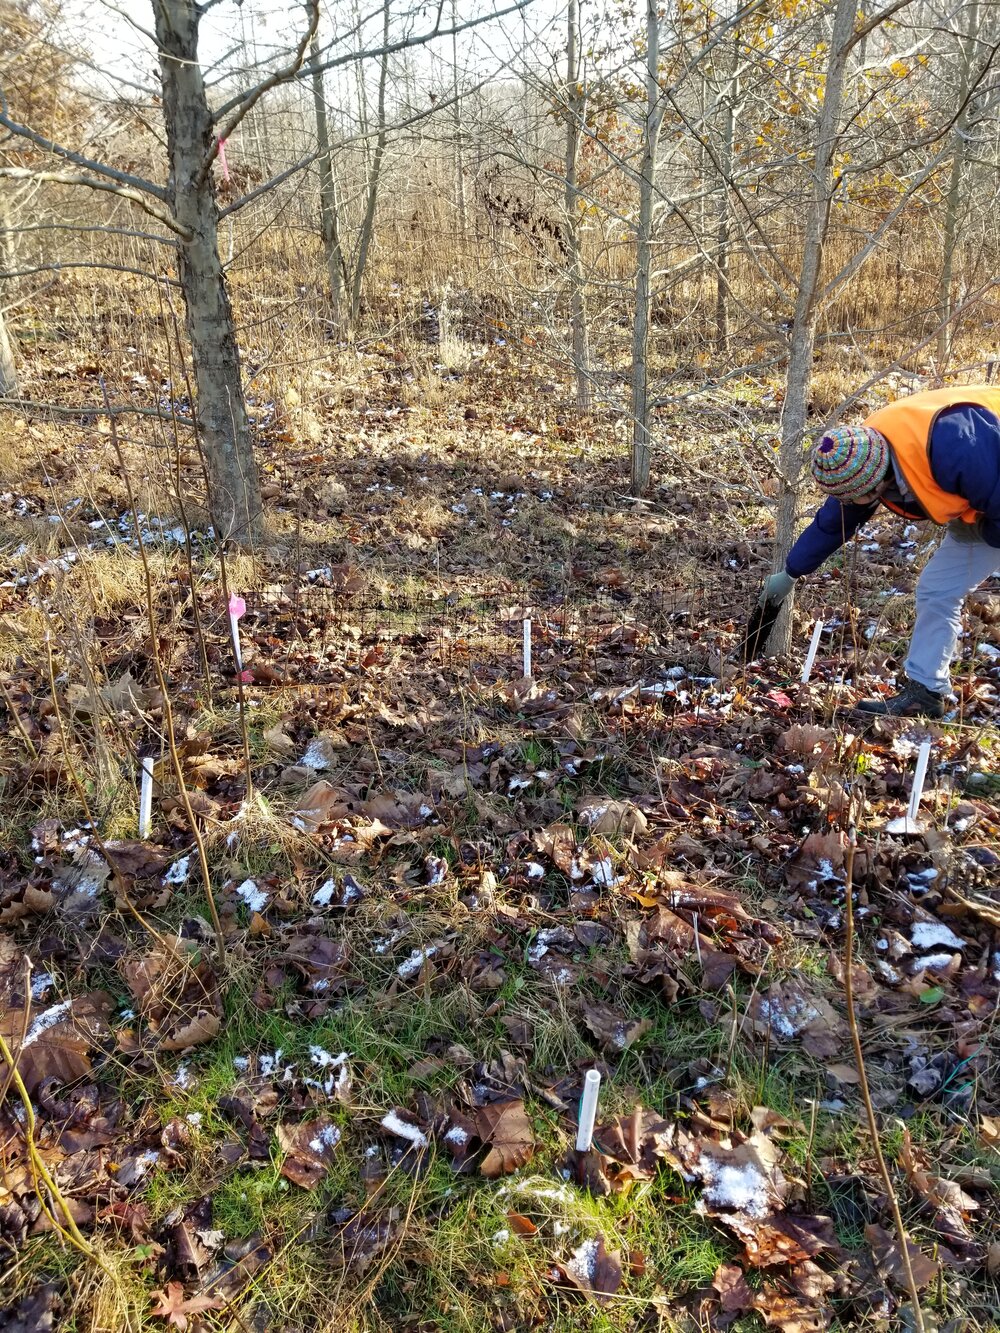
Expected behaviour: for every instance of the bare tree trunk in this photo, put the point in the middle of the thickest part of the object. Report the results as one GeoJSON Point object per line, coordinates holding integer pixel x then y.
{"type": "Point", "coordinates": [8, 371]}
{"type": "Point", "coordinates": [802, 336]}
{"type": "Point", "coordinates": [953, 200]}
{"type": "Point", "coordinates": [460, 203]}
{"type": "Point", "coordinates": [641, 447]}
{"type": "Point", "coordinates": [329, 228]}
{"type": "Point", "coordinates": [722, 233]}
{"type": "Point", "coordinates": [374, 175]}
{"type": "Point", "coordinates": [225, 430]}
{"type": "Point", "coordinates": [577, 288]}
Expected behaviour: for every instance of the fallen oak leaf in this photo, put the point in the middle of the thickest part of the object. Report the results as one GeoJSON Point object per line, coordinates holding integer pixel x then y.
{"type": "Point", "coordinates": [593, 1271]}
{"type": "Point", "coordinates": [614, 1030]}
{"type": "Point", "coordinates": [735, 1296]}
{"type": "Point", "coordinates": [889, 1259]}
{"type": "Point", "coordinates": [505, 1128]}
{"type": "Point", "coordinates": [309, 1149]}
{"type": "Point", "coordinates": [176, 1308]}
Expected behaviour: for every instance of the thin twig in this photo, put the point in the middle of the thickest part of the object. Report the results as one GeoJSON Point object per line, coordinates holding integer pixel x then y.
{"type": "Point", "coordinates": [161, 680]}
{"type": "Point", "coordinates": [866, 1096]}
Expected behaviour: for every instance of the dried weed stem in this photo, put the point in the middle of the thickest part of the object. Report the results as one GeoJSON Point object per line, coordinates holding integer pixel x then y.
{"type": "Point", "coordinates": [866, 1096]}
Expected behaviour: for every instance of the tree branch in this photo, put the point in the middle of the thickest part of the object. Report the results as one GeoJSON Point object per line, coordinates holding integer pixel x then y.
{"type": "Point", "coordinates": [60, 266]}
{"type": "Point", "coordinates": [123, 191]}
{"type": "Point", "coordinates": [255, 94]}
{"type": "Point", "coordinates": [267, 186]}
{"type": "Point", "coordinates": [392, 48]}
{"type": "Point", "coordinates": [138, 183]}
{"type": "Point", "coordinates": [80, 227]}
{"type": "Point", "coordinates": [58, 409]}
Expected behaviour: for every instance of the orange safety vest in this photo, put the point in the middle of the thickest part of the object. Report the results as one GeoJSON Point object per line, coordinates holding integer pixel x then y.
{"type": "Point", "coordinates": [907, 425]}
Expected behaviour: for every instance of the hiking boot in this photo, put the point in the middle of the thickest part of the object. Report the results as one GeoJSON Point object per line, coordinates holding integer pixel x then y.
{"type": "Point", "coordinates": [913, 700]}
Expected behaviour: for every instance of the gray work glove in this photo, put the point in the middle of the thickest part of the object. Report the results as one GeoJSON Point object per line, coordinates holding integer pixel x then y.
{"type": "Point", "coordinates": [776, 589]}
{"type": "Point", "coordinates": [966, 532]}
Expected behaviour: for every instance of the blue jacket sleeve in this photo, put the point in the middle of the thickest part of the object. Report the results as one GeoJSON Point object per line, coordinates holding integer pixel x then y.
{"type": "Point", "coordinates": [965, 460]}
{"type": "Point", "coordinates": [834, 524]}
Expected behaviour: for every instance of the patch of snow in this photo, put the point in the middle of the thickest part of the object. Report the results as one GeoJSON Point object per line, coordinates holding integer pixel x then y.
{"type": "Point", "coordinates": [501, 1237]}
{"type": "Point", "coordinates": [316, 755]}
{"type": "Point", "coordinates": [539, 946]}
{"type": "Point", "coordinates": [412, 965]}
{"type": "Point", "coordinates": [40, 983]}
{"type": "Point", "coordinates": [327, 1138]}
{"type": "Point", "coordinates": [788, 1019]}
{"type": "Point", "coordinates": [534, 870]}
{"type": "Point", "coordinates": [256, 899]}
{"type": "Point", "coordinates": [404, 1130]}
{"type": "Point", "coordinates": [182, 1076]}
{"type": "Point", "coordinates": [741, 1188]}
{"type": "Point", "coordinates": [582, 1263]}
{"type": "Point", "coordinates": [193, 1118]}
{"type": "Point", "coordinates": [45, 1020]}
{"type": "Point", "coordinates": [324, 894]}
{"type": "Point", "coordinates": [241, 1063]}
{"type": "Point", "coordinates": [603, 874]}
{"type": "Point", "coordinates": [933, 962]}
{"type": "Point", "coordinates": [935, 935]}
{"type": "Point", "coordinates": [179, 872]}
{"type": "Point", "coordinates": [457, 1135]}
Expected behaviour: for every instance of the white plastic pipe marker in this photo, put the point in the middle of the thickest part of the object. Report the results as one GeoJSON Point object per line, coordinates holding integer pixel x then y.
{"type": "Point", "coordinates": [588, 1110]}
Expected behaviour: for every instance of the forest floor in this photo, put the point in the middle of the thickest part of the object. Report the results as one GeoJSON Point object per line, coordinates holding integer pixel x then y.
{"type": "Point", "coordinates": [445, 890]}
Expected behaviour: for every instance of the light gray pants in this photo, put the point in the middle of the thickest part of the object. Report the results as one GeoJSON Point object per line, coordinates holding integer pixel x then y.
{"type": "Point", "coordinates": [952, 572]}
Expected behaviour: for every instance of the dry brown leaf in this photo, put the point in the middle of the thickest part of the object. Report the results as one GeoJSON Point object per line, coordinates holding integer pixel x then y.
{"type": "Point", "coordinates": [735, 1295]}
{"type": "Point", "coordinates": [808, 740]}
{"type": "Point", "coordinates": [608, 817]}
{"type": "Point", "coordinates": [889, 1258]}
{"type": "Point", "coordinates": [58, 1040]}
{"type": "Point", "coordinates": [593, 1271]}
{"type": "Point", "coordinates": [614, 1030]}
{"type": "Point", "coordinates": [505, 1128]}
{"type": "Point", "coordinates": [322, 804]}
{"type": "Point", "coordinates": [176, 1308]}
{"type": "Point", "coordinates": [309, 1149]}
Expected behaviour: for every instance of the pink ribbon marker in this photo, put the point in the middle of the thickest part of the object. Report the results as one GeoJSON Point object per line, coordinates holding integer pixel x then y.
{"type": "Point", "coordinates": [222, 161]}
{"type": "Point", "coordinates": [237, 607]}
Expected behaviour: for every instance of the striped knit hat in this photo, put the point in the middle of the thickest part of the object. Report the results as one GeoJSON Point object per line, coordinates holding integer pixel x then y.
{"type": "Point", "coordinates": [850, 461]}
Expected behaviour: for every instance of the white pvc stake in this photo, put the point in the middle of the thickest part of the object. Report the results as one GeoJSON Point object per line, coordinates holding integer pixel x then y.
{"type": "Point", "coordinates": [527, 646]}
{"type": "Point", "coordinates": [909, 823]}
{"type": "Point", "coordinates": [237, 607]}
{"type": "Point", "coordinates": [146, 799]}
{"type": "Point", "coordinates": [588, 1110]}
{"type": "Point", "coordinates": [811, 654]}
{"type": "Point", "coordinates": [919, 774]}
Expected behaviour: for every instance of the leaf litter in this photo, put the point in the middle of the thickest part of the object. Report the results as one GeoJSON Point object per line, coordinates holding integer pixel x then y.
{"type": "Point", "coordinates": [640, 847]}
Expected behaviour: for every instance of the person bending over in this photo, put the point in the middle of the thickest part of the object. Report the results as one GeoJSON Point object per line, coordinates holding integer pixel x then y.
{"type": "Point", "coordinates": [935, 455]}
